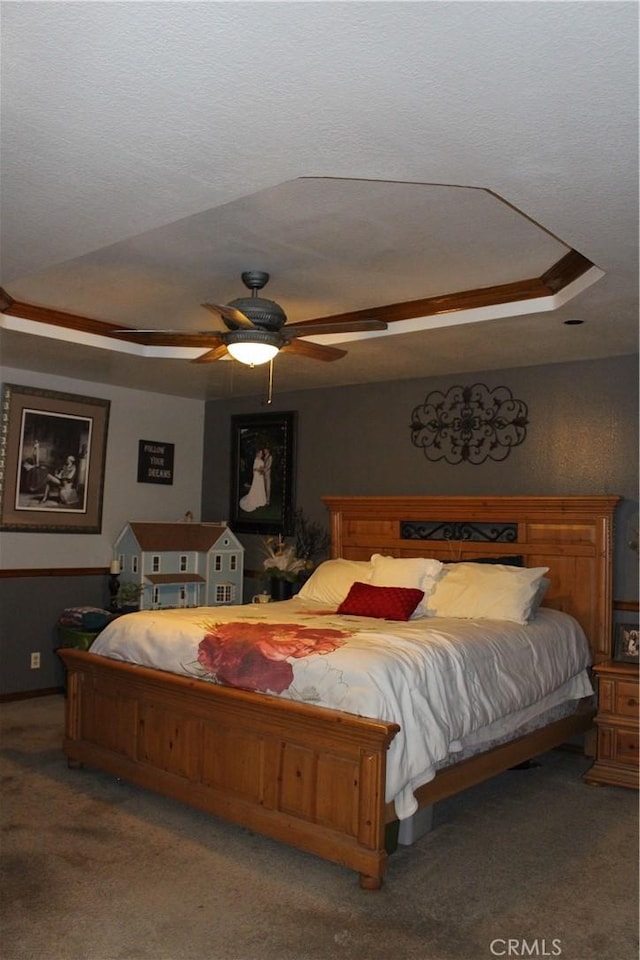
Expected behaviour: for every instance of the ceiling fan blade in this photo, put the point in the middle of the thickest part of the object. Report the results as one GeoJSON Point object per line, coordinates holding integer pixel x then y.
{"type": "Point", "coordinates": [315, 351]}
{"type": "Point", "coordinates": [168, 338]}
{"type": "Point", "coordinates": [235, 317]}
{"type": "Point", "coordinates": [216, 354]}
{"type": "Point", "coordinates": [317, 327]}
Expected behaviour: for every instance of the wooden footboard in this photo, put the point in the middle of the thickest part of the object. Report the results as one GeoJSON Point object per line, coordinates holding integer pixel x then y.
{"type": "Point", "coordinates": [308, 776]}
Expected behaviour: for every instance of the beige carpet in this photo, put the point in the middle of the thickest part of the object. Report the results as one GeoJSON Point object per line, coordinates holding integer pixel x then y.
{"type": "Point", "coordinates": [94, 869]}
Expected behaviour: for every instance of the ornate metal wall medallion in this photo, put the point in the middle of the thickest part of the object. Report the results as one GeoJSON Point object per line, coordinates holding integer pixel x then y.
{"type": "Point", "coordinates": [469, 423]}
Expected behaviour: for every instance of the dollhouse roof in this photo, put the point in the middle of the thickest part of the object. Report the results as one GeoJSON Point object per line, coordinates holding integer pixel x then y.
{"type": "Point", "coordinates": [162, 537]}
{"type": "Point", "coordinates": [159, 578]}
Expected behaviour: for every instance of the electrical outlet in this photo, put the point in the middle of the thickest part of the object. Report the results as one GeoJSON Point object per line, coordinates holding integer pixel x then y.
{"type": "Point", "coordinates": [35, 661]}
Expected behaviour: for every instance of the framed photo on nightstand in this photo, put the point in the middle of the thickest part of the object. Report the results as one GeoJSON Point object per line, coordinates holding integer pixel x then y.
{"type": "Point", "coordinates": [626, 642]}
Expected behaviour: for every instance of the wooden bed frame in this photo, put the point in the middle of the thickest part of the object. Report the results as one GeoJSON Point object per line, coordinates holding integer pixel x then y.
{"type": "Point", "coordinates": [313, 777]}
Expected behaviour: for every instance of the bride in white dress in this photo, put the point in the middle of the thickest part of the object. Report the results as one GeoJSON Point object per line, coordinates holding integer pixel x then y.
{"type": "Point", "coordinates": [257, 495]}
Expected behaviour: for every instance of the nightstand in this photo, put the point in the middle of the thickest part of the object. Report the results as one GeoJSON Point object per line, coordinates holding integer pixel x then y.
{"type": "Point", "coordinates": [76, 637]}
{"type": "Point", "coordinates": [617, 722]}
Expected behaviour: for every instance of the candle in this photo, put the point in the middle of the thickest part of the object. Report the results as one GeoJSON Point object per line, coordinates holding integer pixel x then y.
{"type": "Point", "coordinates": [115, 567]}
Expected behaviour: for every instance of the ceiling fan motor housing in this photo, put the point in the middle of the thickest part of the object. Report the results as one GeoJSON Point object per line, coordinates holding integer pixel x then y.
{"type": "Point", "coordinates": [264, 313]}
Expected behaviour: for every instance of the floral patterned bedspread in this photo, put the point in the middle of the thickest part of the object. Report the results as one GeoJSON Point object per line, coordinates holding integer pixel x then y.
{"type": "Point", "coordinates": [440, 680]}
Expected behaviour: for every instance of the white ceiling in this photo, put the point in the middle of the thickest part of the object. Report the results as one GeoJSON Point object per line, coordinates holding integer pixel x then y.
{"type": "Point", "coordinates": [364, 153]}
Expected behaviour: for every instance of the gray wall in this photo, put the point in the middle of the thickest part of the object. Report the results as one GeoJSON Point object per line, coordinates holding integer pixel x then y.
{"type": "Point", "coordinates": [582, 438]}
{"type": "Point", "coordinates": [30, 606]}
{"type": "Point", "coordinates": [29, 609]}
{"type": "Point", "coordinates": [134, 415]}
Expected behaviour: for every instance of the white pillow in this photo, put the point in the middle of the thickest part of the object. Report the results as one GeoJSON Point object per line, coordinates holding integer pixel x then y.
{"type": "Point", "coordinates": [421, 573]}
{"type": "Point", "coordinates": [479, 591]}
{"type": "Point", "coordinates": [331, 581]}
{"type": "Point", "coordinates": [541, 592]}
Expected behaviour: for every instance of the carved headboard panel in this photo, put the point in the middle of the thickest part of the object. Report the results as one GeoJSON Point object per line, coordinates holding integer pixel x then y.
{"type": "Point", "coordinates": [570, 535]}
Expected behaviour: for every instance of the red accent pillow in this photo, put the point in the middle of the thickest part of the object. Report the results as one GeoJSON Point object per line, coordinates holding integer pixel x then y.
{"type": "Point", "coordinates": [386, 603]}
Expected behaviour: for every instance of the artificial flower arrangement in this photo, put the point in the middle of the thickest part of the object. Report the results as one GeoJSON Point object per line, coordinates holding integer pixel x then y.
{"type": "Point", "coordinates": [294, 561]}
{"type": "Point", "coordinates": [281, 562]}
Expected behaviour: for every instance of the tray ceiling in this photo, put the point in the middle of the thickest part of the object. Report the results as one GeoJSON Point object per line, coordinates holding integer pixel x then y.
{"type": "Point", "coordinates": [365, 155]}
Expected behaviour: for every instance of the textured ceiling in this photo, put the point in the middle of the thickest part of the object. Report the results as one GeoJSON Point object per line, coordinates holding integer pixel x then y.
{"type": "Point", "coordinates": [363, 153]}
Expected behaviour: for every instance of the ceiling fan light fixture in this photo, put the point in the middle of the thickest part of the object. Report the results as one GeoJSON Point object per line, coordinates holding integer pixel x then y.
{"type": "Point", "coordinates": [253, 347]}
{"type": "Point", "coordinates": [253, 354]}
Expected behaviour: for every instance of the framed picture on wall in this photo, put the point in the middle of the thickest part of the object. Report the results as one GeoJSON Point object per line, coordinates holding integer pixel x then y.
{"type": "Point", "coordinates": [52, 456]}
{"type": "Point", "coordinates": [262, 473]}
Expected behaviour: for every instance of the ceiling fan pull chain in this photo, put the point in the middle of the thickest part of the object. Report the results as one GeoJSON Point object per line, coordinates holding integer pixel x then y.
{"type": "Point", "coordinates": [270, 389]}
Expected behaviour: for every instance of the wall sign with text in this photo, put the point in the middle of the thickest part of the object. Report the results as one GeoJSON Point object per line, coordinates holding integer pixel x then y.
{"type": "Point", "coordinates": [155, 462]}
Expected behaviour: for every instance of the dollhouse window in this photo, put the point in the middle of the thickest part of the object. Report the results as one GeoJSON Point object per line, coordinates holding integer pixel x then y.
{"type": "Point", "coordinates": [233, 562]}
{"type": "Point", "coordinates": [183, 563]}
{"type": "Point", "coordinates": [134, 564]}
{"type": "Point", "coordinates": [225, 592]}
{"type": "Point", "coordinates": [155, 563]}
{"type": "Point", "coordinates": [217, 561]}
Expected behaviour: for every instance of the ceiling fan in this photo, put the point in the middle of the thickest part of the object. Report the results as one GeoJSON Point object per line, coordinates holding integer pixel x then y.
{"type": "Point", "coordinates": [257, 330]}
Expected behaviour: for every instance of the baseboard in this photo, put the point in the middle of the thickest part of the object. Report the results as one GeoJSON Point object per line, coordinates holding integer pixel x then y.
{"type": "Point", "coordinates": [29, 694]}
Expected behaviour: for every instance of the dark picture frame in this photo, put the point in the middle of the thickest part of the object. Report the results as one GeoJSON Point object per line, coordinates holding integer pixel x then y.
{"type": "Point", "coordinates": [626, 642]}
{"type": "Point", "coordinates": [262, 495]}
{"type": "Point", "coordinates": [52, 461]}
{"type": "Point", "coordinates": [155, 461]}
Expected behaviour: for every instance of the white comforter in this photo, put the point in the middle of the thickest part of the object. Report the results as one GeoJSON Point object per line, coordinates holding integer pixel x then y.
{"type": "Point", "coordinates": [443, 681]}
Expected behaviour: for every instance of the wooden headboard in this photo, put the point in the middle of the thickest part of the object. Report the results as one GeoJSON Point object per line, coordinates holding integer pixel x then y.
{"type": "Point", "coordinates": [570, 535]}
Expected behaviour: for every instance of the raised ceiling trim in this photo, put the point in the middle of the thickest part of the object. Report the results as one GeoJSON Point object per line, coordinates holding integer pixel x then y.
{"type": "Point", "coordinates": [556, 286]}
{"type": "Point", "coordinates": [566, 271]}
{"type": "Point", "coordinates": [57, 318]}
{"type": "Point", "coordinates": [569, 268]}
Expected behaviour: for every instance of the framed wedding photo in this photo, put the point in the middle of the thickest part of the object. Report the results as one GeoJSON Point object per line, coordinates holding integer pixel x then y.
{"type": "Point", "coordinates": [52, 460]}
{"type": "Point", "coordinates": [262, 473]}
{"type": "Point", "coordinates": [626, 642]}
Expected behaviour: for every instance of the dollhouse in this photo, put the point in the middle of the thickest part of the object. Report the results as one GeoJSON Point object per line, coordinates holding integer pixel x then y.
{"type": "Point", "coordinates": [181, 564]}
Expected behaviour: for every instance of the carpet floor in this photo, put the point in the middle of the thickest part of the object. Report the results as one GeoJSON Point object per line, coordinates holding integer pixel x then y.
{"type": "Point", "coordinates": [532, 863]}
